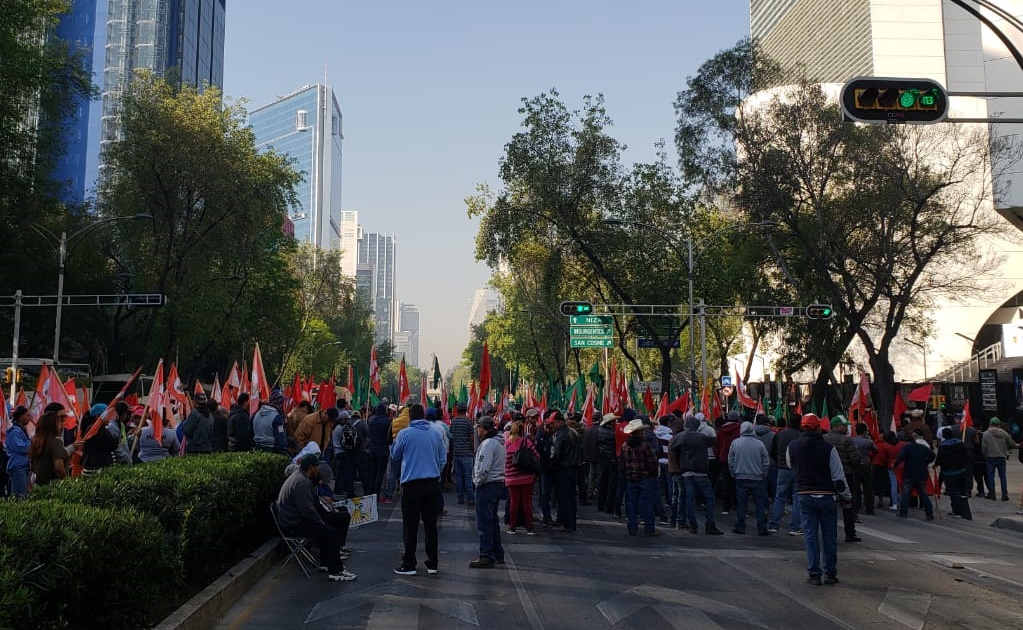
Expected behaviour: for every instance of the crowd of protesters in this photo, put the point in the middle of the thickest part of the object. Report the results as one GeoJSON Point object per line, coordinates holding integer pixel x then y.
{"type": "Point", "coordinates": [677, 471]}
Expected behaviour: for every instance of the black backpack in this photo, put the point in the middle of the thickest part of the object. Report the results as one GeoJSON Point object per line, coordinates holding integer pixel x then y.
{"type": "Point", "coordinates": [349, 437]}
{"type": "Point", "coordinates": [524, 460]}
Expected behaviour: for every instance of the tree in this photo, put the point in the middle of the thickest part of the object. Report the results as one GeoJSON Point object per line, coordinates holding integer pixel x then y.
{"type": "Point", "coordinates": [215, 247]}
{"type": "Point", "coordinates": [878, 221]}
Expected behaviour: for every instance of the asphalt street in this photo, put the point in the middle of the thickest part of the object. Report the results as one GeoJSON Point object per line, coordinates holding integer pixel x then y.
{"type": "Point", "coordinates": [907, 573]}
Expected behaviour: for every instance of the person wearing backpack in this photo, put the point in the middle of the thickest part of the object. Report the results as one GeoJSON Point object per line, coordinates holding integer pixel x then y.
{"type": "Point", "coordinates": [521, 463]}
{"type": "Point", "coordinates": [349, 444]}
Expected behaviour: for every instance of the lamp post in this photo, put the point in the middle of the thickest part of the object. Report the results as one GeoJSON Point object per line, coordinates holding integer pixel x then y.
{"type": "Point", "coordinates": [691, 261]}
{"type": "Point", "coordinates": [62, 246]}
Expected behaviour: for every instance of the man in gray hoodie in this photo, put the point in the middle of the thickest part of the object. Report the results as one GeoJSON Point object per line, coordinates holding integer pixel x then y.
{"type": "Point", "coordinates": [488, 479]}
{"type": "Point", "coordinates": [748, 462]}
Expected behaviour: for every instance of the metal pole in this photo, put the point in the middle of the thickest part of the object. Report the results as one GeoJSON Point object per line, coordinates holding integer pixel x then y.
{"type": "Point", "coordinates": [692, 333]}
{"type": "Point", "coordinates": [14, 348]}
{"type": "Point", "coordinates": [61, 255]}
{"type": "Point", "coordinates": [703, 342]}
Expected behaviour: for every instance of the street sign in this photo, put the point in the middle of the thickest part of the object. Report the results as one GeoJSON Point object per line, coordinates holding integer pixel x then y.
{"type": "Point", "coordinates": [726, 381]}
{"type": "Point", "coordinates": [592, 331]}
{"type": "Point", "coordinates": [592, 320]}
{"type": "Point", "coordinates": [646, 342]}
{"type": "Point", "coordinates": [601, 342]}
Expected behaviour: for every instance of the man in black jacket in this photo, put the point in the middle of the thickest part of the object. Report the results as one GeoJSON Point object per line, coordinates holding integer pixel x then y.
{"type": "Point", "coordinates": [693, 462]}
{"type": "Point", "coordinates": [239, 425]}
{"type": "Point", "coordinates": [566, 452]}
{"type": "Point", "coordinates": [955, 460]}
{"type": "Point", "coordinates": [917, 456]}
{"type": "Point", "coordinates": [607, 472]}
{"type": "Point", "coordinates": [786, 488]}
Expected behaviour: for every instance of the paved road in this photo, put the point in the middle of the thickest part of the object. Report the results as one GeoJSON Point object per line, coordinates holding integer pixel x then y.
{"type": "Point", "coordinates": [910, 573]}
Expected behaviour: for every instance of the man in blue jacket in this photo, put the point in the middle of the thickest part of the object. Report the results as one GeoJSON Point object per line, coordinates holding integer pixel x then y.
{"type": "Point", "coordinates": [422, 453]}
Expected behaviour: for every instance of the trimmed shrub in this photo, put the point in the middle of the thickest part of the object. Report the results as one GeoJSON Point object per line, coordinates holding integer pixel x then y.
{"type": "Point", "coordinates": [214, 507]}
{"type": "Point", "coordinates": [75, 566]}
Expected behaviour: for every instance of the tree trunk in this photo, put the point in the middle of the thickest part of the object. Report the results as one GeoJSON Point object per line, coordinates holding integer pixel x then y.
{"type": "Point", "coordinates": [883, 390]}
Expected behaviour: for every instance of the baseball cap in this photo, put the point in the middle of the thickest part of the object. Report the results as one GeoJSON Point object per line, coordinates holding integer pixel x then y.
{"type": "Point", "coordinates": [839, 419]}
{"type": "Point", "coordinates": [486, 422]}
{"type": "Point", "coordinates": [532, 412]}
{"type": "Point", "coordinates": [810, 421]}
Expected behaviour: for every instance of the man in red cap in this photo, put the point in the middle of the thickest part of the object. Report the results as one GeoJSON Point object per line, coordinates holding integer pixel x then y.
{"type": "Point", "coordinates": [820, 479]}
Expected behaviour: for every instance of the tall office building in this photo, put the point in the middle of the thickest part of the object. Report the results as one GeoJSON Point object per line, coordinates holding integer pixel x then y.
{"type": "Point", "coordinates": [375, 278]}
{"type": "Point", "coordinates": [306, 126]}
{"type": "Point", "coordinates": [180, 39]}
{"type": "Point", "coordinates": [408, 325]}
{"type": "Point", "coordinates": [351, 232]}
{"type": "Point", "coordinates": [484, 301]}
{"type": "Point", "coordinates": [836, 40]}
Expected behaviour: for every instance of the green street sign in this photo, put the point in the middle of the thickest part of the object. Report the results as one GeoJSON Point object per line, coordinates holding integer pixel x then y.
{"type": "Point", "coordinates": [593, 343]}
{"type": "Point", "coordinates": [592, 331]}
{"type": "Point", "coordinates": [592, 320]}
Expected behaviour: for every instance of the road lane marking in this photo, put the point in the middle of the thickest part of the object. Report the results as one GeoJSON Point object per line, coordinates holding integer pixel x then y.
{"type": "Point", "coordinates": [535, 622]}
{"type": "Point", "coordinates": [906, 607]}
{"type": "Point", "coordinates": [892, 538]}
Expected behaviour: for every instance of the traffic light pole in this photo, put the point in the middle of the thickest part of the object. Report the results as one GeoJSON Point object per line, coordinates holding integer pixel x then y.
{"type": "Point", "coordinates": [14, 347]}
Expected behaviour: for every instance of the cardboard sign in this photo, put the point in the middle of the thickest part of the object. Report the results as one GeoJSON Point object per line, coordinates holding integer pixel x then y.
{"type": "Point", "coordinates": [362, 509]}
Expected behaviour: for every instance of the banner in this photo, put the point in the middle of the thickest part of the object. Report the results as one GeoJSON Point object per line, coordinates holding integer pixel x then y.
{"type": "Point", "coordinates": [363, 510]}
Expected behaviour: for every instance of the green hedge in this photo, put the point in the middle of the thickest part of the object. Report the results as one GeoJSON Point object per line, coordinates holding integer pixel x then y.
{"type": "Point", "coordinates": [74, 566]}
{"type": "Point", "coordinates": [214, 508]}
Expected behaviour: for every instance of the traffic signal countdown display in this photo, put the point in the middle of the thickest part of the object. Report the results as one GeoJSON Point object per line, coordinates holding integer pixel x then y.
{"type": "Point", "coordinates": [576, 308]}
{"type": "Point", "coordinates": [894, 101]}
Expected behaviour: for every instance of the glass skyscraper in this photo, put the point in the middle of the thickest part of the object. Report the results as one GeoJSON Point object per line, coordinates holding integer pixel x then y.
{"type": "Point", "coordinates": [375, 279]}
{"type": "Point", "coordinates": [306, 126]}
{"type": "Point", "coordinates": [181, 39]}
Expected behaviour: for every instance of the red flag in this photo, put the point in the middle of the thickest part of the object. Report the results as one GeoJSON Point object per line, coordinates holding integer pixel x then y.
{"type": "Point", "coordinates": [588, 409]}
{"type": "Point", "coordinates": [21, 400]}
{"type": "Point", "coordinates": [662, 408]}
{"type": "Point", "coordinates": [681, 404]}
{"type": "Point", "coordinates": [705, 404]}
{"type": "Point", "coordinates": [760, 407]}
{"type": "Point", "coordinates": [715, 409]}
{"type": "Point", "coordinates": [156, 402]}
{"type": "Point", "coordinates": [198, 388]}
{"type": "Point", "coordinates": [297, 389]}
{"type": "Point", "coordinates": [350, 386]}
{"type": "Point", "coordinates": [307, 388]}
{"type": "Point", "coordinates": [4, 416]}
{"type": "Point", "coordinates": [921, 394]}
{"type": "Point", "coordinates": [744, 399]}
{"type": "Point", "coordinates": [485, 373]}
{"type": "Point", "coordinates": [571, 401]}
{"type": "Point", "coordinates": [474, 399]}
{"type": "Point", "coordinates": [259, 388]}
{"type": "Point", "coordinates": [648, 399]}
{"type": "Point", "coordinates": [897, 411]}
{"type": "Point", "coordinates": [42, 398]}
{"type": "Point", "coordinates": [404, 392]}
{"type": "Point", "coordinates": [174, 389]}
{"type": "Point", "coordinates": [967, 418]}
{"type": "Point", "coordinates": [543, 404]}
{"type": "Point", "coordinates": [374, 371]}
{"type": "Point", "coordinates": [72, 395]}
{"type": "Point", "coordinates": [422, 395]}
{"type": "Point", "coordinates": [111, 412]}
{"type": "Point", "coordinates": [232, 386]}
{"type": "Point", "coordinates": [444, 403]}
{"type": "Point", "coordinates": [218, 392]}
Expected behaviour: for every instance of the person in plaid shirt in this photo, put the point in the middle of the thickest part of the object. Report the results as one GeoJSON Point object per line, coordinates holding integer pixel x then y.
{"type": "Point", "coordinates": [639, 467]}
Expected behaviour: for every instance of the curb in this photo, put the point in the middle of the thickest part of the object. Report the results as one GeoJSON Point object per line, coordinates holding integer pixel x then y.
{"type": "Point", "coordinates": [1013, 523]}
{"type": "Point", "coordinates": [206, 608]}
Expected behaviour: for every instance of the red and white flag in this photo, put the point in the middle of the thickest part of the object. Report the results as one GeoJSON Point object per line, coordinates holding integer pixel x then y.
{"type": "Point", "coordinates": [404, 392]}
{"type": "Point", "coordinates": [374, 371]}
{"type": "Point", "coordinates": [259, 388]}
{"type": "Point", "coordinates": [662, 408]}
{"type": "Point", "coordinates": [218, 391]}
{"type": "Point", "coordinates": [745, 399]}
{"type": "Point", "coordinates": [588, 406]}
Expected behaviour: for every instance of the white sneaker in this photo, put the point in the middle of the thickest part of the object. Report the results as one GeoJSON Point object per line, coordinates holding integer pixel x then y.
{"type": "Point", "coordinates": [344, 576]}
{"type": "Point", "coordinates": [893, 508]}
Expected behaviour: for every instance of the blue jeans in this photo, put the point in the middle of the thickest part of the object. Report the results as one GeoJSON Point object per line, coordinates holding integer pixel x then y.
{"type": "Point", "coordinates": [699, 485]}
{"type": "Point", "coordinates": [678, 500]}
{"type": "Point", "coordinates": [565, 492]}
{"type": "Point", "coordinates": [894, 482]}
{"type": "Point", "coordinates": [19, 483]}
{"type": "Point", "coordinates": [920, 485]}
{"type": "Point", "coordinates": [993, 464]}
{"type": "Point", "coordinates": [758, 487]}
{"type": "Point", "coordinates": [820, 526]}
{"type": "Point", "coordinates": [786, 489]}
{"type": "Point", "coordinates": [391, 483]}
{"type": "Point", "coordinates": [463, 477]}
{"type": "Point", "coordinates": [639, 501]}
{"type": "Point", "coordinates": [488, 495]}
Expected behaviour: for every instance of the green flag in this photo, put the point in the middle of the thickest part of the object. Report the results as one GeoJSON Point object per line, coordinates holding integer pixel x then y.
{"type": "Point", "coordinates": [779, 412]}
{"type": "Point", "coordinates": [595, 376]}
{"type": "Point", "coordinates": [463, 394]}
{"type": "Point", "coordinates": [824, 408]}
{"type": "Point", "coordinates": [515, 380]}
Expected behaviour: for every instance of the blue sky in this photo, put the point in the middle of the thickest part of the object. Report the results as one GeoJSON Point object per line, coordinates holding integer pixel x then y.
{"type": "Point", "coordinates": [429, 93]}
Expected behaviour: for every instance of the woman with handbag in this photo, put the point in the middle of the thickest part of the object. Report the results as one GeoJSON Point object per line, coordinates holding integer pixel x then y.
{"type": "Point", "coordinates": [520, 470]}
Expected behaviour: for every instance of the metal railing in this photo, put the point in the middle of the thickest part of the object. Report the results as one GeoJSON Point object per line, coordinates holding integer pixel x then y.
{"type": "Point", "coordinates": [969, 371]}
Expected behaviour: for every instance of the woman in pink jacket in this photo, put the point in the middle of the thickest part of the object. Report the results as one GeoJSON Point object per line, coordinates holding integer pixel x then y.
{"type": "Point", "coordinates": [519, 481]}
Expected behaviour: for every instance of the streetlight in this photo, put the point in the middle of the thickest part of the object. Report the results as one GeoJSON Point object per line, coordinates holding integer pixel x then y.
{"type": "Point", "coordinates": [690, 267]}
{"type": "Point", "coordinates": [62, 246]}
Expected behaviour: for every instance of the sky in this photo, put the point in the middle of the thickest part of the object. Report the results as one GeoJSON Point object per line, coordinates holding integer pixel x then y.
{"type": "Point", "coordinates": [429, 93]}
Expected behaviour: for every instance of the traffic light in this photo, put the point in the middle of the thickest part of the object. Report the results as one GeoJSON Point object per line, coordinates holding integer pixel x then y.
{"type": "Point", "coordinates": [576, 308]}
{"type": "Point", "coordinates": [819, 311]}
{"type": "Point", "coordinates": [894, 101]}
{"type": "Point", "coordinates": [8, 375]}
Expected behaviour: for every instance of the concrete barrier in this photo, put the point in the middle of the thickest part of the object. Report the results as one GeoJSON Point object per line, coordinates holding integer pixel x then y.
{"type": "Point", "coordinates": [205, 609]}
